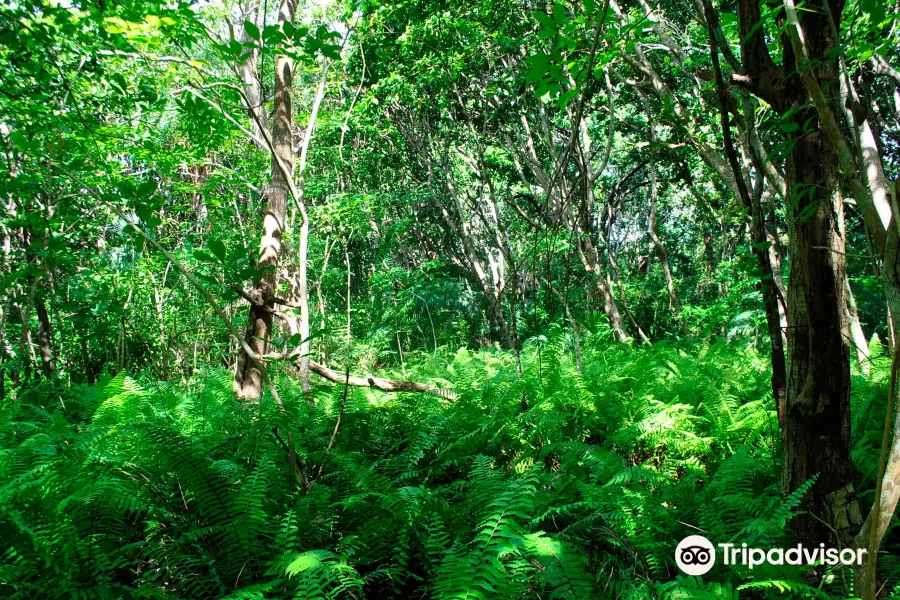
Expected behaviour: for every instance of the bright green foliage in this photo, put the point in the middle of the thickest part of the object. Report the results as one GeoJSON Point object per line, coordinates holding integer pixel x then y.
{"type": "Point", "coordinates": [449, 188]}
{"type": "Point", "coordinates": [549, 486]}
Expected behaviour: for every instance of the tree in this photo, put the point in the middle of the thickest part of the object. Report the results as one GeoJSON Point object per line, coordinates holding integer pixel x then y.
{"type": "Point", "coordinates": [248, 376]}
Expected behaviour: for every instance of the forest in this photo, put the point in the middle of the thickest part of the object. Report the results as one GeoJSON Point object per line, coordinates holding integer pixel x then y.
{"type": "Point", "coordinates": [425, 299]}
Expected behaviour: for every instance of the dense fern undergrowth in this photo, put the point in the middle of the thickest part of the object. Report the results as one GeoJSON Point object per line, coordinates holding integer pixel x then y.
{"type": "Point", "coordinates": [548, 485]}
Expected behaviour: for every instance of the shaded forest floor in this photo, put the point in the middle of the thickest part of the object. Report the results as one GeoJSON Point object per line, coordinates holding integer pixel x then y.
{"type": "Point", "coordinates": [548, 485]}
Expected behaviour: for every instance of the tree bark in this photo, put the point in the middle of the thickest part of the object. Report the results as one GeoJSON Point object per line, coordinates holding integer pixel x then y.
{"type": "Point", "coordinates": [773, 297]}
{"type": "Point", "coordinates": [248, 378]}
{"type": "Point", "coordinates": [45, 337]}
{"type": "Point", "coordinates": [499, 231]}
{"type": "Point", "coordinates": [816, 431]}
{"type": "Point", "coordinates": [380, 383]}
{"type": "Point", "coordinates": [591, 261]}
{"type": "Point", "coordinates": [817, 416]}
{"type": "Point", "coordinates": [879, 518]}
{"type": "Point", "coordinates": [858, 337]}
{"type": "Point", "coordinates": [674, 302]}
{"type": "Point", "coordinates": [817, 420]}
{"type": "Point", "coordinates": [298, 279]}
{"type": "Point", "coordinates": [651, 230]}
{"type": "Point", "coordinates": [456, 218]}
{"type": "Point", "coordinates": [249, 72]}
{"type": "Point", "coordinates": [865, 178]}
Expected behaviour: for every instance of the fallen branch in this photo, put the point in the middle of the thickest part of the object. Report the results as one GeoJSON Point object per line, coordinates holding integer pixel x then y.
{"type": "Point", "coordinates": [380, 383]}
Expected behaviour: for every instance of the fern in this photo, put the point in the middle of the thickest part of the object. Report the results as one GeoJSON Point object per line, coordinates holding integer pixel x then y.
{"type": "Point", "coordinates": [548, 485]}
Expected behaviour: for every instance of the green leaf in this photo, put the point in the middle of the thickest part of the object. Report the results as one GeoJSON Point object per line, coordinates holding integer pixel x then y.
{"type": "Point", "coordinates": [19, 140]}
{"type": "Point", "coordinates": [535, 74]}
{"type": "Point", "coordinates": [331, 51]}
{"type": "Point", "coordinates": [727, 19]}
{"type": "Point", "coordinates": [307, 561]}
{"type": "Point", "coordinates": [252, 30]}
{"type": "Point", "coordinates": [217, 247]}
{"type": "Point", "coordinates": [203, 256]}
{"type": "Point", "coordinates": [146, 188]}
{"type": "Point", "coordinates": [269, 32]}
{"type": "Point", "coordinates": [544, 19]}
{"type": "Point", "coordinates": [549, 88]}
{"type": "Point", "coordinates": [875, 9]}
{"type": "Point", "coordinates": [559, 14]}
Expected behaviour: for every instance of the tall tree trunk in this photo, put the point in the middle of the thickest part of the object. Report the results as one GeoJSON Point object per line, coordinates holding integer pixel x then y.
{"type": "Point", "coordinates": [299, 280]}
{"type": "Point", "coordinates": [879, 518]}
{"type": "Point", "coordinates": [6, 352]}
{"type": "Point", "coordinates": [581, 223]}
{"type": "Point", "coordinates": [773, 297]}
{"type": "Point", "coordinates": [248, 379]}
{"type": "Point", "coordinates": [657, 243]}
{"type": "Point", "coordinates": [624, 301]}
{"type": "Point", "coordinates": [817, 416]}
{"type": "Point", "coordinates": [591, 261]}
{"type": "Point", "coordinates": [45, 336]}
{"type": "Point", "coordinates": [860, 345]}
{"type": "Point", "coordinates": [651, 221]}
{"type": "Point", "coordinates": [499, 231]}
{"type": "Point", "coordinates": [26, 348]}
{"type": "Point", "coordinates": [817, 419]}
{"type": "Point", "coordinates": [249, 72]}
{"type": "Point", "coordinates": [816, 431]}
{"type": "Point", "coordinates": [160, 317]}
{"type": "Point", "coordinates": [457, 219]}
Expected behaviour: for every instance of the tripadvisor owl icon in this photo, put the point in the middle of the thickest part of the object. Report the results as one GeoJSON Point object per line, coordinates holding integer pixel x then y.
{"type": "Point", "coordinates": [695, 555]}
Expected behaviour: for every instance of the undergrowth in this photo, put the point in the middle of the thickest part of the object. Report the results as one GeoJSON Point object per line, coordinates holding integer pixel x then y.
{"type": "Point", "coordinates": [549, 485]}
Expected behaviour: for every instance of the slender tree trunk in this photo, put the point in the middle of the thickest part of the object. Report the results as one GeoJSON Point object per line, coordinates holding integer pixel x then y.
{"type": "Point", "coordinates": [499, 231]}
{"type": "Point", "coordinates": [778, 290]}
{"type": "Point", "coordinates": [576, 328]}
{"type": "Point", "coordinates": [86, 357]}
{"type": "Point", "coordinates": [591, 261]}
{"type": "Point", "coordinates": [513, 293]}
{"type": "Point", "coordinates": [160, 316]}
{"type": "Point", "coordinates": [26, 348]}
{"type": "Point", "coordinates": [774, 299]}
{"type": "Point", "coordinates": [249, 72]}
{"type": "Point", "coordinates": [581, 226]}
{"type": "Point", "coordinates": [861, 346]}
{"type": "Point", "coordinates": [122, 346]}
{"type": "Point", "coordinates": [45, 337]}
{"type": "Point", "coordinates": [771, 293]}
{"type": "Point", "coordinates": [624, 301]}
{"type": "Point", "coordinates": [881, 515]}
{"type": "Point", "coordinates": [458, 222]}
{"type": "Point", "coordinates": [298, 278]}
{"type": "Point", "coordinates": [321, 297]}
{"type": "Point", "coordinates": [7, 352]}
{"type": "Point", "coordinates": [248, 380]}
{"type": "Point", "coordinates": [890, 279]}
{"type": "Point", "coordinates": [658, 245]}
{"type": "Point", "coordinates": [866, 574]}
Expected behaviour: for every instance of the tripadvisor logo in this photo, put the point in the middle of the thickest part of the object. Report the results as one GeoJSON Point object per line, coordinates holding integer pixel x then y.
{"type": "Point", "coordinates": [696, 555]}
